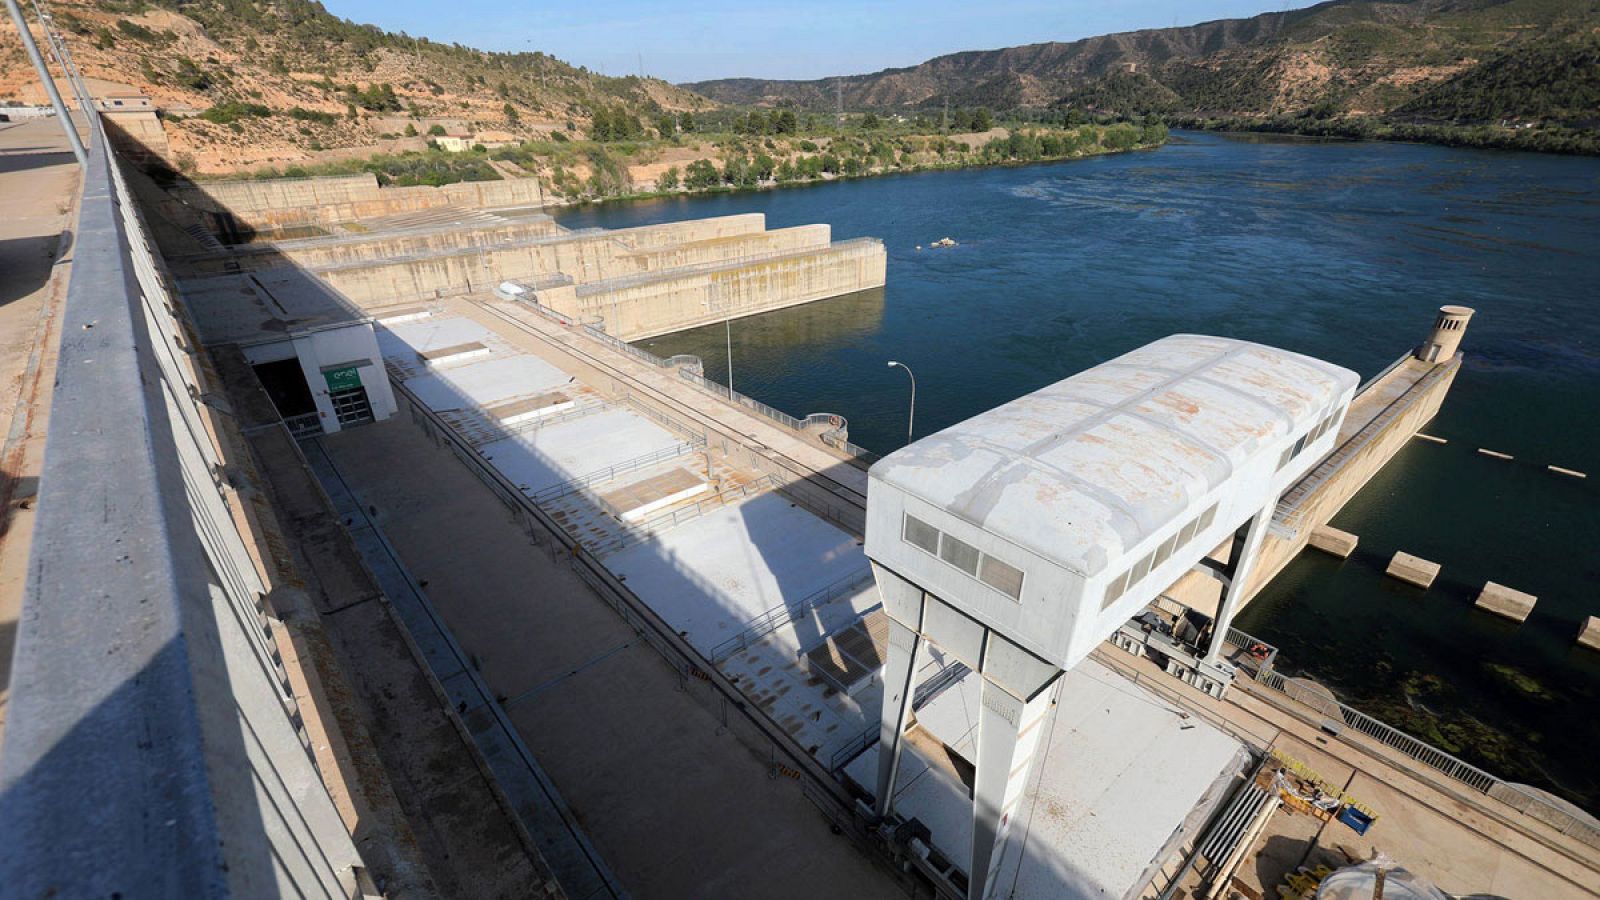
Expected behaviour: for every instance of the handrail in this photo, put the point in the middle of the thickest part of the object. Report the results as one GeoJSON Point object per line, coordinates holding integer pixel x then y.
{"type": "Point", "coordinates": [573, 485]}
{"type": "Point", "coordinates": [784, 613]}
{"type": "Point", "coordinates": [644, 529]}
{"type": "Point", "coordinates": [1450, 766]}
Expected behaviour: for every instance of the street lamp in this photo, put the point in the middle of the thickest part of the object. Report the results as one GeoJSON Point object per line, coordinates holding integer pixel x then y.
{"type": "Point", "coordinates": [911, 416]}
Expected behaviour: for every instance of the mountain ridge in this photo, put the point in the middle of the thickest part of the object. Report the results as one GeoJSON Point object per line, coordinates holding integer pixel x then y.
{"type": "Point", "coordinates": [1340, 57]}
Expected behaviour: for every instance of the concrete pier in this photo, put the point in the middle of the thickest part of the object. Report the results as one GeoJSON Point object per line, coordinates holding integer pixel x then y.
{"type": "Point", "coordinates": [1508, 602]}
{"type": "Point", "coordinates": [1332, 541]}
{"type": "Point", "coordinates": [1413, 570]}
{"type": "Point", "coordinates": [1589, 634]}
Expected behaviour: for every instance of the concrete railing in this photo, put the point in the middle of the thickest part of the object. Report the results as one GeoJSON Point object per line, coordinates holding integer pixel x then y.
{"type": "Point", "coordinates": [152, 742]}
{"type": "Point", "coordinates": [1289, 514]}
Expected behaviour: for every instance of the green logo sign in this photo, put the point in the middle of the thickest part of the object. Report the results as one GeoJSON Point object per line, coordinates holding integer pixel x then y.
{"type": "Point", "coordinates": [343, 379]}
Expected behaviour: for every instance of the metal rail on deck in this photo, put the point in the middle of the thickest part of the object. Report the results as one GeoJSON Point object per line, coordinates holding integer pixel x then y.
{"type": "Point", "coordinates": [783, 614]}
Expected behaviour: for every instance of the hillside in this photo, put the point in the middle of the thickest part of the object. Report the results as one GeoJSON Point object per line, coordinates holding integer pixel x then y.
{"type": "Point", "coordinates": [1447, 61]}
{"type": "Point", "coordinates": [256, 82]}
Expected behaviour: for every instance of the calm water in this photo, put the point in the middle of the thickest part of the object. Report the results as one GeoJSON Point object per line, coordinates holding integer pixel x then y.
{"type": "Point", "coordinates": [1338, 250]}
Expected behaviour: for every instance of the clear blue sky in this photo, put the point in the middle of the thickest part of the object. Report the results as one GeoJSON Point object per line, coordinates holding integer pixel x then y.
{"type": "Point", "coordinates": [700, 39]}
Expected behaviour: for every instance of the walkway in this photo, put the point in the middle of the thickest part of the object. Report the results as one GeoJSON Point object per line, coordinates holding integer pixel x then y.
{"type": "Point", "coordinates": [675, 805]}
{"type": "Point", "coordinates": [38, 181]}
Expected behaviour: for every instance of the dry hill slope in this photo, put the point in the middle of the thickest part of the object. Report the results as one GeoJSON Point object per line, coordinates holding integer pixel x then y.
{"type": "Point", "coordinates": [285, 81]}
{"type": "Point", "coordinates": [1340, 58]}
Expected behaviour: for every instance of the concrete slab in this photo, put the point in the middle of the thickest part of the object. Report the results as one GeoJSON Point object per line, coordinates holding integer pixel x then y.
{"type": "Point", "coordinates": [1589, 634]}
{"type": "Point", "coordinates": [430, 334]}
{"type": "Point", "coordinates": [487, 383]}
{"type": "Point", "coordinates": [641, 498]}
{"type": "Point", "coordinates": [1413, 570]}
{"type": "Point", "coordinates": [1504, 601]}
{"type": "Point", "coordinates": [566, 450]}
{"type": "Point", "coordinates": [1333, 541]}
{"type": "Point", "coordinates": [711, 575]}
{"type": "Point", "coordinates": [1115, 778]}
{"type": "Point", "coordinates": [455, 353]}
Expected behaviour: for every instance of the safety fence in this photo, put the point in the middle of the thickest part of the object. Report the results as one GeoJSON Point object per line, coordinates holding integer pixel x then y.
{"type": "Point", "coordinates": [601, 476]}
{"type": "Point", "coordinates": [1456, 770]}
{"type": "Point", "coordinates": [783, 614]}
{"type": "Point", "coordinates": [644, 529]}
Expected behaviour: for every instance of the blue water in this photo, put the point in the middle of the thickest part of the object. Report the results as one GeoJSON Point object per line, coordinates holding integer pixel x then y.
{"type": "Point", "coordinates": [1339, 250]}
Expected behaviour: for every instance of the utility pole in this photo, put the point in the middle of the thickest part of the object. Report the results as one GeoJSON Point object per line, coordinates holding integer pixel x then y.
{"type": "Point", "coordinates": [49, 84]}
{"type": "Point", "coordinates": [838, 95]}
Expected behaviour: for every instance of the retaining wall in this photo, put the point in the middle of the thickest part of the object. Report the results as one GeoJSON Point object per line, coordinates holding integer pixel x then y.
{"type": "Point", "coordinates": [268, 205]}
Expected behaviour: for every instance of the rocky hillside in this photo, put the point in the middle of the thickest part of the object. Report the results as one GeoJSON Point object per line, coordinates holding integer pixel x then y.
{"type": "Point", "coordinates": [1463, 61]}
{"type": "Point", "coordinates": [258, 82]}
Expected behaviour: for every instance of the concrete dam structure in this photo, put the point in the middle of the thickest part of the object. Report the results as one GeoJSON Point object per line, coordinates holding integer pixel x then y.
{"type": "Point", "coordinates": [382, 246]}
{"type": "Point", "coordinates": [374, 563]}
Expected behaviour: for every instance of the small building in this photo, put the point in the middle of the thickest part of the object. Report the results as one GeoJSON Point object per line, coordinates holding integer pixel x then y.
{"type": "Point", "coordinates": [316, 355]}
{"type": "Point", "coordinates": [1020, 539]}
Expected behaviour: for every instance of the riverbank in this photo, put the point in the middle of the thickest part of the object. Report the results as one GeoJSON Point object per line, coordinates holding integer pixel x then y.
{"type": "Point", "coordinates": [1525, 137]}
{"type": "Point", "coordinates": [578, 172]}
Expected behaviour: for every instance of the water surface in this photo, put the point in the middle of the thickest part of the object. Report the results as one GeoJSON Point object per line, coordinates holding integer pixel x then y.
{"type": "Point", "coordinates": [1339, 250]}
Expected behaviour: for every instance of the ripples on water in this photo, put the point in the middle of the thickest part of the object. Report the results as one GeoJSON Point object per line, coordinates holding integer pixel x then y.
{"type": "Point", "coordinates": [1339, 250]}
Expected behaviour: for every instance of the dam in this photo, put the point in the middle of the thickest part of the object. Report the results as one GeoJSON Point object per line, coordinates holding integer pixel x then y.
{"type": "Point", "coordinates": [508, 604]}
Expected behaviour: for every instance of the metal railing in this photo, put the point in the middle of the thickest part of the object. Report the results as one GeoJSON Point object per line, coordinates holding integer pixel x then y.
{"type": "Point", "coordinates": [784, 613]}
{"type": "Point", "coordinates": [572, 486]}
{"type": "Point", "coordinates": [1444, 763]}
{"type": "Point", "coordinates": [152, 741]}
{"type": "Point", "coordinates": [644, 529]}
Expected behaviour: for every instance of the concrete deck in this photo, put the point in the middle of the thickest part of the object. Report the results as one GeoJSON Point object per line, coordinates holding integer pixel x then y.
{"type": "Point", "coordinates": [674, 805]}
{"type": "Point", "coordinates": [1118, 776]}
{"type": "Point", "coordinates": [39, 184]}
{"type": "Point", "coordinates": [1460, 842]}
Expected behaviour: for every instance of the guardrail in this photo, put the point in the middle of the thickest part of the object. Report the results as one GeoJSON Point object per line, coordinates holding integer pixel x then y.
{"type": "Point", "coordinates": [783, 614]}
{"type": "Point", "coordinates": [152, 743]}
{"type": "Point", "coordinates": [572, 486]}
{"type": "Point", "coordinates": [1451, 767]}
{"type": "Point", "coordinates": [644, 529]}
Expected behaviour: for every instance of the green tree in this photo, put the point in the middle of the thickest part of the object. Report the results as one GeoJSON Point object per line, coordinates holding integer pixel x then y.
{"type": "Point", "coordinates": [686, 122]}
{"type": "Point", "coordinates": [411, 130]}
{"type": "Point", "coordinates": [667, 125]}
{"type": "Point", "coordinates": [870, 121]}
{"type": "Point", "coordinates": [436, 130]}
{"type": "Point", "coordinates": [511, 114]}
{"type": "Point", "coordinates": [701, 174]}
{"type": "Point", "coordinates": [668, 180]}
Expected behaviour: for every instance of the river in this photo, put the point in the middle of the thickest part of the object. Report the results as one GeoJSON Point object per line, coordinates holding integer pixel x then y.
{"type": "Point", "coordinates": [1338, 250]}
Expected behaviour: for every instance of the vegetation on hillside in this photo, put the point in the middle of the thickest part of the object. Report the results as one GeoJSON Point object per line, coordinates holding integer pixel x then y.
{"type": "Point", "coordinates": [1477, 72]}
{"type": "Point", "coordinates": [250, 81]}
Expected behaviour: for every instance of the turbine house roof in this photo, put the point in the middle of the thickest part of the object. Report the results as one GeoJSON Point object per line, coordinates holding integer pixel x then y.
{"type": "Point", "coordinates": [1083, 470]}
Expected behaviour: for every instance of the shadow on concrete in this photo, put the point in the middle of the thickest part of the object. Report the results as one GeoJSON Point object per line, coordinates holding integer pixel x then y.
{"type": "Point", "coordinates": [26, 264]}
{"type": "Point", "coordinates": [23, 159]}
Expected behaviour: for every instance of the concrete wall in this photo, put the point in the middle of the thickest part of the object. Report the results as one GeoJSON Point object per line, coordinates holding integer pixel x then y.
{"type": "Point", "coordinates": [672, 301]}
{"type": "Point", "coordinates": [338, 346]}
{"type": "Point", "coordinates": [1201, 592]}
{"type": "Point", "coordinates": [268, 205]}
{"type": "Point", "coordinates": [583, 257]}
{"type": "Point", "coordinates": [325, 252]}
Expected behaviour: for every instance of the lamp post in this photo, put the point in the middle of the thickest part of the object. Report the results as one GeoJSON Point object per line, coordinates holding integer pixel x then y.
{"type": "Point", "coordinates": [727, 326]}
{"type": "Point", "coordinates": [911, 415]}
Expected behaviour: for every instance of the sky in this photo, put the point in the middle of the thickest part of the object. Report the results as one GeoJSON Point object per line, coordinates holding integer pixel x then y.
{"type": "Point", "coordinates": [704, 39]}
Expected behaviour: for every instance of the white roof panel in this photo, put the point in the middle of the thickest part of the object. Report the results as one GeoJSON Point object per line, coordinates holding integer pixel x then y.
{"type": "Point", "coordinates": [1081, 471]}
